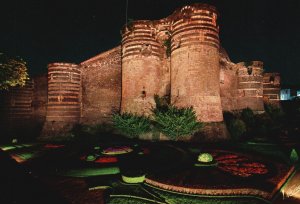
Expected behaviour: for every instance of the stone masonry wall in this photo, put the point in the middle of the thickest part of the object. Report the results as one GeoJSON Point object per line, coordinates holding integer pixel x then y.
{"type": "Point", "coordinates": [17, 112]}
{"type": "Point", "coordinates": [141, 67]}
{"type": "Point", "coordinates": [64, 99]}
{"type": "Point", "coordinates": [40, 98]}
{"type": "Point", "coordinates": [195, 67]}
{"type": "Point", "coordinates": [64, 92]}
{"type": "Point", "coordinates": [250, 86]}
{"type": "Point", "coordinates": [101, 86]}
{"type": "Point", "coordinates": [228, 84]}
{"type": "Point", "coordinates": [178, 56]}
{"type": "Point", "coordinates": [271, 88]}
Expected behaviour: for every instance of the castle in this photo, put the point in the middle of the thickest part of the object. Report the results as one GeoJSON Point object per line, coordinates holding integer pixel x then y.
{"type": "Point", "coordinates": [179, 56]}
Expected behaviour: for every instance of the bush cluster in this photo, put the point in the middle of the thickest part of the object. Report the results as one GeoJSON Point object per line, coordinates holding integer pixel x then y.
{"type": "Point", "coordinates": [131, 125]}
{"type": "Point", "coordinates": [175, 122]}
{"type": "Point", "coordinates": [168, 119]}
{"type": "Point", "coordinates": [245, 124]}
{"type": "Point", "coordinates": [237, 128]}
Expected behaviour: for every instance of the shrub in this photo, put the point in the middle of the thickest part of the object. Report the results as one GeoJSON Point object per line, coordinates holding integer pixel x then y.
{"type": "Point", "coordinates": [131, 125]}
{"type": "Point", "coordinates": [263, 125]}
{"type": "Point", "coordinates": [90, 158]}
{"type": "Point", "coordinates": [228, 116]}
{"type": "Point", "coordinates": [248, 117]}
{"type": "Point", "coordinates": [175, 122]}
{"type": "Point", "coordinates": [274, 112]}
{"type": "Point", "coordinates": [236, 128]}
{"type": "Point", "coordinates": [205, 157]}
{"type": "Point", "coordinates": [294, 156]}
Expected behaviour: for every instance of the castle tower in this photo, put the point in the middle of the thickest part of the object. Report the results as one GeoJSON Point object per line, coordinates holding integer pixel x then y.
{"type": "Point", "coordinates": [20, 102]}
{"type": "Point", "coordinates": [16, 112]}
{"type": "Point", "coordinates": [195, 67]}
{"type": "Point", "coordinates": [141, 64]}
{"type": "Point", "coordinates": [271, 88]}
{"type": "Point", "coordinates": [250, 85]}
{"type": "Point", "coordinates": [64, 92]}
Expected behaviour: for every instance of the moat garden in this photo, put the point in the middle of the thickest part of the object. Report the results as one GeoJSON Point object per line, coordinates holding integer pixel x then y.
{"type": "Point", "coordinates": [258, 165]}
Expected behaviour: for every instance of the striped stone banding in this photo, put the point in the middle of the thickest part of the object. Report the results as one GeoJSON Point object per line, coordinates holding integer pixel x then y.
{"type": "Point", "coordinates": [64, 92]}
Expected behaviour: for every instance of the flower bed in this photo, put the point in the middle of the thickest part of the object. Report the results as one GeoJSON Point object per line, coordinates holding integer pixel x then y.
{"type": "Point", "coordinates": [117, 150]}
{"type": "Point", "coordinates": [104, 160]}
{"type": "Point", "coordinates": [53, 146]}
{"type": "Point", "coordinates": [235, 174]}
{"type": "Point", "coordinates": [239, 165]}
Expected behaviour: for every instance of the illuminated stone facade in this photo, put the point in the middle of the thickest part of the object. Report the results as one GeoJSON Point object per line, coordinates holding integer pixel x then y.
{"type": "Point", "coordinates": [179, 57]}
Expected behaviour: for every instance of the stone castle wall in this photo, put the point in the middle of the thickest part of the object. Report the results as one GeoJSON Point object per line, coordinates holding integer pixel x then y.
{"type": "Point", "coordinates": [271, 88]}
{"type": "Point", "coordinates": [23, 110]}
{"type": "Point", "coordinates": [19, 102]}
{"type": "Point", "coordinates": [195, 61]}
{"type": "Point", "coordinates": [40, 98]}
{"type": "Point", "coordinates": [64, 92]}
{"type": "Point", "coordinates": [141, 67]}
{"type": "Point", "coordinates": [250, 87]}
{"type": "Point", "coordinates": [228, 82]}
{"type": "Point", "coordinates": [178, 56]}
{"type": "Point", "coordinates": [64, 99]}
{"type": "Point", "coordinates": [101, 87]}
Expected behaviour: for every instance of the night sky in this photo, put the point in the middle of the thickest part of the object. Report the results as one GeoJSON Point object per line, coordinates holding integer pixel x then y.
{"type": "Point", "coordinates": [42, 32]}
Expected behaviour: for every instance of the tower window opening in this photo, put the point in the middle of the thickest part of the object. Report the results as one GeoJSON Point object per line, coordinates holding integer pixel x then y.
{"type": "Point", "coordinates": [143, 94]}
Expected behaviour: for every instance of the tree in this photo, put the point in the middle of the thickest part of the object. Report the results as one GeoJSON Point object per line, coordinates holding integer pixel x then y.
{"type": "Point", "coordinates": [13, 72]}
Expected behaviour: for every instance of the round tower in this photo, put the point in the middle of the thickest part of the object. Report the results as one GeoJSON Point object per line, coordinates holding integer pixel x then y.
{"type": "Point", "coordinates": [195, 67]}
{"type": "Point", "coordinates": [141, 62]}
{"type": "Point", "coordinates": [64, 88]}
{"type": "Point", "coordinates": [20, 102]}
{"type": "Point", "coordinates": [250, 85]}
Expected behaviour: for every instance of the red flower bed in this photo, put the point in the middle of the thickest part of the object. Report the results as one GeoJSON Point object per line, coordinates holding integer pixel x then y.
{"type": "Point", "coordinates": [53, 146]}
{"type": "Point", "coordinates": [235, 174]}
{"type": "Point", "coordinates": [239, 165]}
{"type": "Point", "coordinates": [117, 150]}
{"type": "Point", "coordinates": [106, 160]}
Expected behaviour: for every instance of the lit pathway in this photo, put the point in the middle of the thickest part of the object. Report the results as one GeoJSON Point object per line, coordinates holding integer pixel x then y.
{"type": "Point", "coordinates": [290, 194]}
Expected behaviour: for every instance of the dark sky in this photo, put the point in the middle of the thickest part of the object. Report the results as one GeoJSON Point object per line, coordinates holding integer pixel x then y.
{"type": "Point", "coordinates": [72, 31]}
